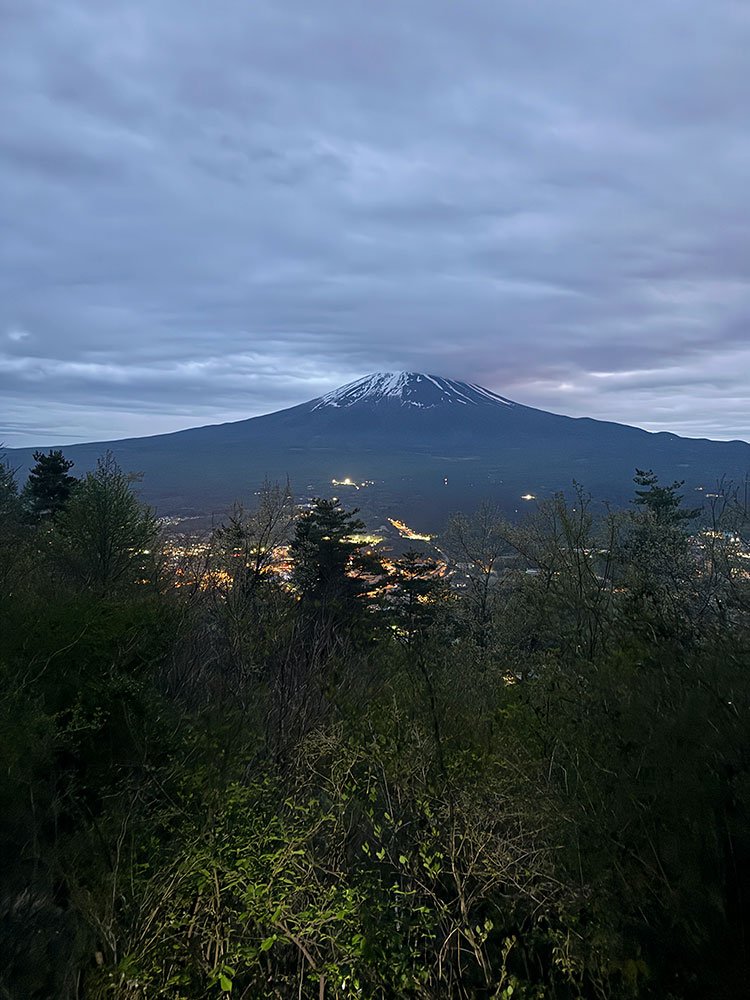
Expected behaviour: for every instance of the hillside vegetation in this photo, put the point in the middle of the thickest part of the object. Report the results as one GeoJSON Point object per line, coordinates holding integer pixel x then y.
{"type": "Point", "coordinates": [357, 780]}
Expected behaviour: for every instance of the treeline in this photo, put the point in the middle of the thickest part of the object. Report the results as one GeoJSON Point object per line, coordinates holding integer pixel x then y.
{"type": "Point", "coordinates": [360, 779]}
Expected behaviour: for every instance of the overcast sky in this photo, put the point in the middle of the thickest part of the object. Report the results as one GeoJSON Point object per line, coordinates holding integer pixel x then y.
{"type": "Point", "coordinates": [211, 209]}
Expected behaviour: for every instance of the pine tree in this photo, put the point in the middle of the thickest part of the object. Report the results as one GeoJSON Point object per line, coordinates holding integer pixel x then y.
{"type": "Point", "coordinates": [49, 486]}
{"type": "Point", "coordinates": [330, 571]}
{"type": "Point", "coordinates": [420, 596]}
{"type": "Point", "coordinates": [660, 569]}
{"type": "Point", "coordinates": [664, 502]}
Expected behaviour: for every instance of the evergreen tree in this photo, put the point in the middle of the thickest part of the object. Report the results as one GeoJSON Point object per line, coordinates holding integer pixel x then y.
{"type": "Point", "coordinates": [660, 573]}
{"type": "Point", "coordinates": [330, 571]}
{"type": "Point", "coordinates": [49, 486]}
{"type": "Point", "coordinates": [663, 502]}
{"type": "Point", "coordinates": [420, 596]}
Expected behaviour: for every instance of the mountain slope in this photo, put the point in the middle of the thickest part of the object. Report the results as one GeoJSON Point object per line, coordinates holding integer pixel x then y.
{"type": "Point", "coordinates": [430, 445]}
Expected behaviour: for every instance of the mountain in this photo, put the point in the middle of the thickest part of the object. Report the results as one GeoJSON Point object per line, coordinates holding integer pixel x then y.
{"type": "Point", "coordinates": [425, 446]}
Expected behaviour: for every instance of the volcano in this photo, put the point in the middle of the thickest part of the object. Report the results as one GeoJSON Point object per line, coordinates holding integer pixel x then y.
{"type": "Point", "coordinates": [408, 444]}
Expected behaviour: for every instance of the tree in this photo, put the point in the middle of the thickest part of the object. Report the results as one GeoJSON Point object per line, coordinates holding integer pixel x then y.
{"type": "Point", "coordinates": [13, 529]}
{"type": "Point", "coordinates": [479, 545]}
{"type": "Point", "coordinates": [8, 488]}
{"type": "Point", "coordinates": [565, 602]}
{"type": "Point", "coordinates": [663, 502]}
{"type": "Point", "coordinates": [11, 508]}
{"type": "Point", "coordinates": [661, 581]}
{"type": "Point", "coordinates": [420, 596]}
{"type": "Point", "coordinates": [106, 535]}
{"type": "Point", "coordinates": [49, 486]}
{"type": "Point", "coordinates": [249, 603]}
{"type": "Point", "coordinates": [249, 541]}
{"type": "Point", "coordinates": [328, 562]}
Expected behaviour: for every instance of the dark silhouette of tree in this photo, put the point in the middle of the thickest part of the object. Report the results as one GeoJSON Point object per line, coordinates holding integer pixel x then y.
{"type": "Point", "coordinates": [331, 572]}
{"type": "Point", "coordinates": [419, 597]}
{"type": "Point", "coordinates": [661, 577]}
{"type": "Point", "coordinates": [106, 534]}
{"type": "Point", "coordinates": [14, 529]}
{"type": "Point", "coordinates": [9, 500]}
{"type": "Point", "coordinates": [664, 502]}
{"type": "Point", "coordinates": [249, 540]}
{"type": "Point", "coordinates": [49, 486]}
{"type": "Point", "coordinates": [478, 544]}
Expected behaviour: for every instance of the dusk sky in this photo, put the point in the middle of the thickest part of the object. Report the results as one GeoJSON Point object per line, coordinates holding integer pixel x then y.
{"type": "Point", "coordinates": [211, 210]}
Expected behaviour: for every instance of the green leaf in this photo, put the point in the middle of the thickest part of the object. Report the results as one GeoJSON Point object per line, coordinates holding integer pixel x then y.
{"type": "Point", "coordinates": [225, 983]}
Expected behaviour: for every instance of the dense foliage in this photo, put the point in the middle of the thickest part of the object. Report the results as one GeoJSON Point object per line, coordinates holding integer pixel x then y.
{"type": "Point", "coordinates": [358, 779]}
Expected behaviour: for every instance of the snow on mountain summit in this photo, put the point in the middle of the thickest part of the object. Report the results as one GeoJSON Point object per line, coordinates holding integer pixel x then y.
{"type": "Point", "coordinates": [410, 389]}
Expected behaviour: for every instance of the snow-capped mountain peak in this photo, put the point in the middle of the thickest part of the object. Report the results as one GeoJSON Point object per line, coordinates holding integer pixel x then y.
{"type": "Point", "coordinates": [412, 389]}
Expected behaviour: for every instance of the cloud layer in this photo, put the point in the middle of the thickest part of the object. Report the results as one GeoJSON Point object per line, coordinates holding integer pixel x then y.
{"type": "Point", "coordinates": [211, 210]}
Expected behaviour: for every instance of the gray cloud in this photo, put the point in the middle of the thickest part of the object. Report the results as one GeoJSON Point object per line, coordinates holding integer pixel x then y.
{"type": "Point", "coordinates": [212, 210]}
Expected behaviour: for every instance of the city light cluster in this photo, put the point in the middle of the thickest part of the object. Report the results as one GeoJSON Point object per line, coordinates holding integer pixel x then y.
{"type": "Point", "coordinates": [406, 532]}
{"type": "Point", "coordinates": [351, 482]}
